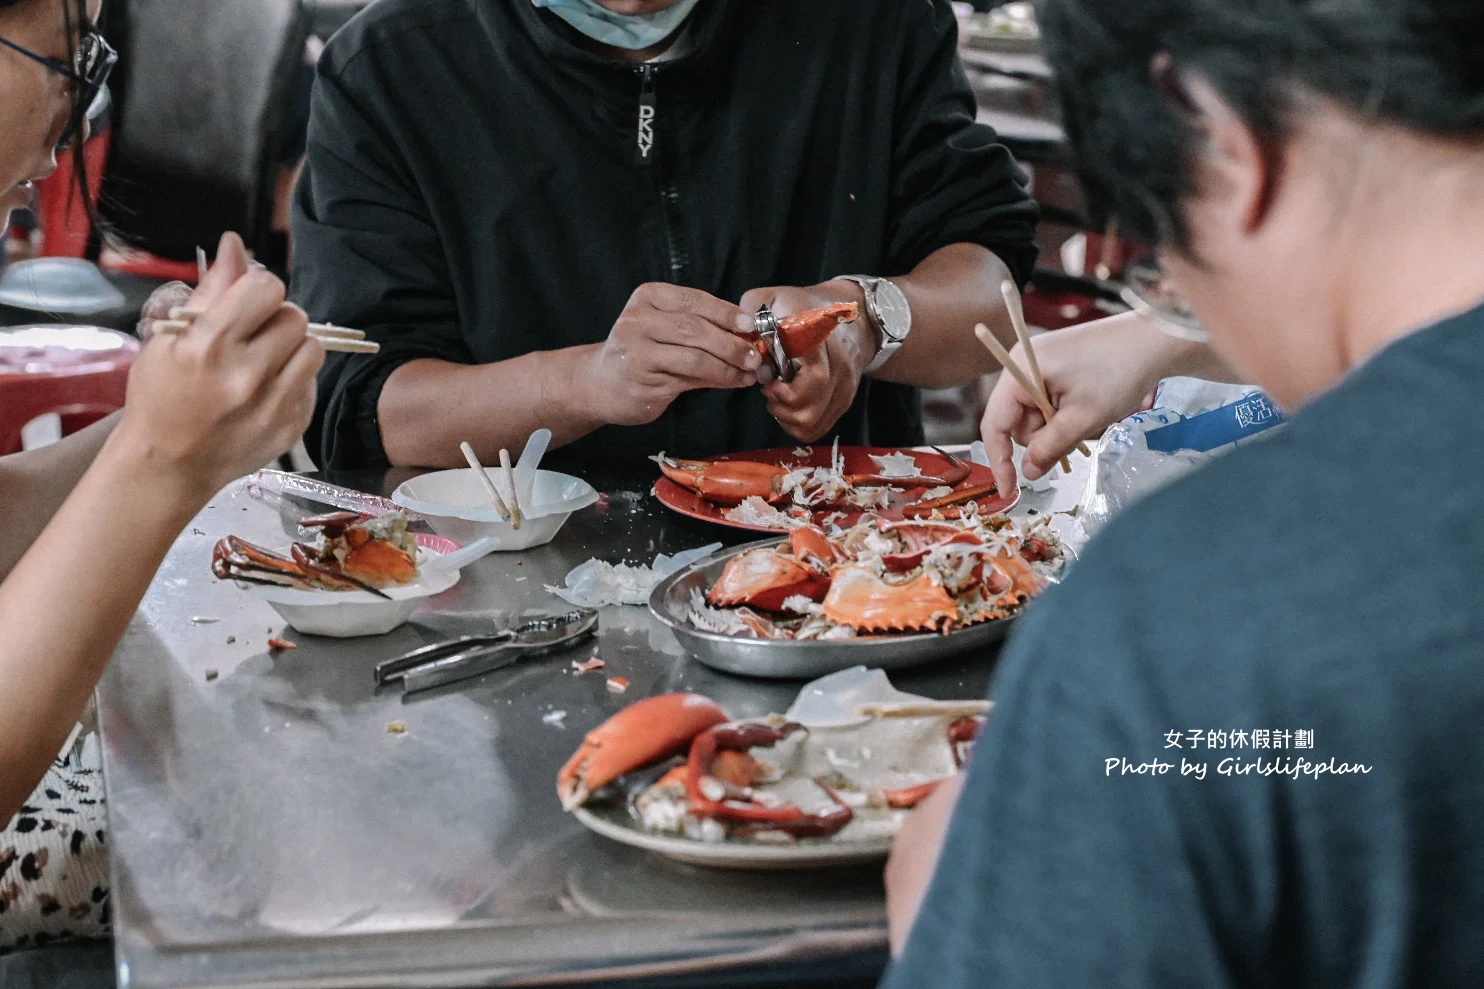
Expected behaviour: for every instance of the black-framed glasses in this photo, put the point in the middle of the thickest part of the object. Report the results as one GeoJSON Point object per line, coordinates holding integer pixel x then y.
{"type": "Point", "coordinates": [92, 61]}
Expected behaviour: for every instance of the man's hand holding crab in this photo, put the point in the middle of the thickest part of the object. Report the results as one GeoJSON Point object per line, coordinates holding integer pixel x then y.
{"type": "Point", "coordinates": [827, 379]}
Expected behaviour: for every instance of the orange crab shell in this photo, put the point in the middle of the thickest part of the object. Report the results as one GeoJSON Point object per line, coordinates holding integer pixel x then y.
{"type": "Point", "coordinates": [641, 733]}
{"type": "Point", "coordinates": [376, 561]}
{"type": "Point", "coordinates": [865, 602]}
{"type": "Point", "coordinates": [727, 482]}
{"type": "Point", "coordinates": [803, 332]}
{"type": "Point", "coordinates": [810, 545]}
{"type": "Point", "coordinates": [1023, 578]}
{"type": "Point", "coordinates": [765, 578]}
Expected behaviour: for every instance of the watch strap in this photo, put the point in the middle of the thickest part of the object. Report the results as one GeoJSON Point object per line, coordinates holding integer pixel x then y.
{"type": "Point", "coordinates": [889, 344]}
{"type": "Point", "coordinates": [885, 346]}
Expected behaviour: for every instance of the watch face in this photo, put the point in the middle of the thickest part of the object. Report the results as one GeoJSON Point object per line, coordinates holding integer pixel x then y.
{"type": "Point", "coordinates": [896, 315]}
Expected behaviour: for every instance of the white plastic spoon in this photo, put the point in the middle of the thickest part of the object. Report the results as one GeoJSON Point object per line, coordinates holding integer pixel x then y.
{"type": "Point", "coordinates": [525, 467]}
{"type": "Point", "coordinates": [458, 559]}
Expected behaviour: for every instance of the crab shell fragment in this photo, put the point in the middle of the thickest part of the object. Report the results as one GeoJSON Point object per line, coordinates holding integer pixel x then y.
{"type": "Point", "coordinates": [719, 773]}
{"type": "Point", "coordinates": [641, 733]}
{"type": "Point", "coordinates": [726, 482]}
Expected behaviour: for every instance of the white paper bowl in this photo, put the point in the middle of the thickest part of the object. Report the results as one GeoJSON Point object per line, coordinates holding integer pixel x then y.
{"type": "Point", "coordinates": [344, 614]}
{"type": "Point", "coordinates": [457, 506]}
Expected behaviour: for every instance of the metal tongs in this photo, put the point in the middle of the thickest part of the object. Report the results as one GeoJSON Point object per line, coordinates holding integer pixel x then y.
{"type": "Point", "coordinates": [473, 655]}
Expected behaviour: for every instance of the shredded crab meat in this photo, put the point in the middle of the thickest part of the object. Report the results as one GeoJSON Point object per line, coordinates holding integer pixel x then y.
{"type": "Point", "coordinates": [869, 497]}
{"type": "Point", "coordinates": [953, 565]}
{"type": "Point", "coordinates": [800, 605]}
{"type": "Point", "coordinates": [755, 511]}
{"type": "Point", "coordinates": [725, 621]}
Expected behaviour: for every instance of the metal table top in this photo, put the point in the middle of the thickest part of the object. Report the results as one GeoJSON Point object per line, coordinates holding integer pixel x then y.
{"type": "Point", "coordinates": [268, 829]}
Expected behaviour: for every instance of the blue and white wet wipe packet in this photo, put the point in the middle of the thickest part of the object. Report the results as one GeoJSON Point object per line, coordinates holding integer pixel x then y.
{"type": "Point", "coordinates": [1191, 422]}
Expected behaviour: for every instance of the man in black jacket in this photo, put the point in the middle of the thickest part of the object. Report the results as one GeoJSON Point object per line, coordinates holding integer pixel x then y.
{"type": "Point", "coordinates": [559, 212]}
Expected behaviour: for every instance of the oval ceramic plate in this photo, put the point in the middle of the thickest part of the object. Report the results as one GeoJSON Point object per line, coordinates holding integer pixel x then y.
{"type": "Point", "coordinates": [614, 822]}
{"type": "Point", "coordinates": [670, 603]}
{"type": "Point", "coordinates": [857, 461]}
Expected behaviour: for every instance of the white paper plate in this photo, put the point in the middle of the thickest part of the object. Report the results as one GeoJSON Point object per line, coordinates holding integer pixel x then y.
{"type": "Point", "coordinates": [344, 614]}
{"type": "Point", "coordinates": [456, 505]}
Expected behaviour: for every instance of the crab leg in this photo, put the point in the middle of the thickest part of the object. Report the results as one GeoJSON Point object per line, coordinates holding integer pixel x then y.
{"type": "Point", "coordinates": [972, 493]}
{"type": "Point", "coordinates": [910, 796]}
{"type": "Point", "coordinates": [235, 558]}
{"type": "Point", "coordinates": [712, 798]}
{"type": "Point", "coordinates": [320, 575]}
{"type": "Point", "coordinates": [958, 472]}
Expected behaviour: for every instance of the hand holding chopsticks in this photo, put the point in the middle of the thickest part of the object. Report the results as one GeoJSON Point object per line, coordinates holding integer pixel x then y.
{"type": "Point", "coordinates": [331, 337]}
{"type": "Point", "coordinates": [511, 512]}
{"type": "Point", "coordinates": [1033, 383]}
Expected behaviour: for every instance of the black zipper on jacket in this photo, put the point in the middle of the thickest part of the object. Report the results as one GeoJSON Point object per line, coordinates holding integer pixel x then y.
{"type": "Point", "coordinates": [649, 154]}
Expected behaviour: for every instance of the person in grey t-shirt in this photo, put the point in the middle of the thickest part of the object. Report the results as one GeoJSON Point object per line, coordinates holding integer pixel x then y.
{"type": "Point", "coordinates": [1240, 745]}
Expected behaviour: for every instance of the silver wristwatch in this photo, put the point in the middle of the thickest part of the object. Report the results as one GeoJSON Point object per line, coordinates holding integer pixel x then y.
{"type": "Point", "coordinates": [888, 310]}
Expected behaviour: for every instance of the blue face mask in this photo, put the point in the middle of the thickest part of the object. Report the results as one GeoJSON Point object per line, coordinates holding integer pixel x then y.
{"type": "Point", "coordinates": [632, 31]}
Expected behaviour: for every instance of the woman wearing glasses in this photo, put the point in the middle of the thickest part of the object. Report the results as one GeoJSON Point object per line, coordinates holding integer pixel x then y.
{"type": "Point", "coordinates": [85, 522]}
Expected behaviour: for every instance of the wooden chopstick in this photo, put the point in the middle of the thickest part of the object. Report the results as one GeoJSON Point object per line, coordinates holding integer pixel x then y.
{"type": "Point", "coordinates": [331, 337]}
{"type": "Point", "coordinates": [1003, 356]}
{"type": "Point", "coordinates": [925, 709]}
{"type": "Point", "coordinates": [489, 486]}
{"type": "Point", "coordinates": [515, 516]}
{"type": "Point", "coordinates": [1017, 317]}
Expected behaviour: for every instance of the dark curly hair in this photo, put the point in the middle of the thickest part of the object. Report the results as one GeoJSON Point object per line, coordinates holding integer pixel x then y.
{"type": "Point", "coordinates": [1418, 64]}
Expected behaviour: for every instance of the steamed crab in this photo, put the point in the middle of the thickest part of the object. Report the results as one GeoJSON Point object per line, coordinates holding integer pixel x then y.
{"type": "Point", "coordinates": [686, 769]}
{"type": "Point", "coordinates": [877, 577]}
{"type": "Point", "coordinates": [356, 552]}
{"type": "Point", "coordinates": [753, 490]}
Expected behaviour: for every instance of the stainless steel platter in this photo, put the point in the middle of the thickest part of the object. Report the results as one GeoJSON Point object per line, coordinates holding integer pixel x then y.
{"type": "Point", "coordinates": [789, 660]}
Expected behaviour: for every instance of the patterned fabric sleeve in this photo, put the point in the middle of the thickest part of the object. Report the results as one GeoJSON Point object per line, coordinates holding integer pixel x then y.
{"type": "Point", "coordinates": [54, 862]}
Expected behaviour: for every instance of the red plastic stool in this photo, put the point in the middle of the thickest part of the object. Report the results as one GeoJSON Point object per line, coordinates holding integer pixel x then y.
{"type": "Point", "coordinates": [78, 372]}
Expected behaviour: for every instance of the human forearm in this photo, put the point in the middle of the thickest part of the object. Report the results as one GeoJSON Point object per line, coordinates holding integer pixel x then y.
{"type": "Point", "coordinates": [914, 856]}
{"type": "Point", "coordinates": [34, 484]}
{"type": "Point", "coordinates": [428, 407]}
{"type": "Point", "coordinates": [64, 607]}
{"type": "Point", "coordinates": [954, 288]}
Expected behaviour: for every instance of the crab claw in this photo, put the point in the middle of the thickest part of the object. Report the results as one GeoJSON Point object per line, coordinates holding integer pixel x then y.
{"type": "Point", "coordinates": [641, 733]}
{"type": "Point", "coordinates": [810, 545]}
{"type": "Point", "coordinates": [765, 578]}
{"type": "Point", "coordinates": [726, 482]}
{"type": "Point", "coordinates": [333, 523]}
{"type": "Point", "coordinates": [803, 332]}
{"type": "Point", "coordinates": [951, 500]}
{"type": "Point", "coordinates": [865, 602]}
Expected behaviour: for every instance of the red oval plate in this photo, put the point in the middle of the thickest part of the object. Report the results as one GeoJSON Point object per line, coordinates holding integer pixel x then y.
{"type": "Point", "coordinates": [857, 461]}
